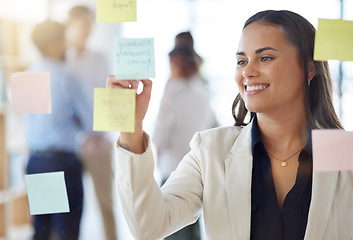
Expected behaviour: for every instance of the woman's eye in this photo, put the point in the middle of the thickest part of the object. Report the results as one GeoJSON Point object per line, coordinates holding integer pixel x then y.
{"type": "Point", "coordinates": [265, 59]}
{"type": "Point", "coordinates": [241, 62]}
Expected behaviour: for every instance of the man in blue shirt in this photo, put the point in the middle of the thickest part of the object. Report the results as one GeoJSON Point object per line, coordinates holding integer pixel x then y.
{"type": "Point", "coordinates": [91, 69]}
{"type": "Point", "coordinates": [54, 139]}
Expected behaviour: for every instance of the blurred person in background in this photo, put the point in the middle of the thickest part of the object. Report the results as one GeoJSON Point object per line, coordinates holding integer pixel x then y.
{"type": "Point", "coordinates": [53, 139]}
{"type": "Point", "coordinates": [186, 40]}
{"type": "Point", "coordinates": [91, 69]}
{"type": "Point", "coordinates": [185, 96]}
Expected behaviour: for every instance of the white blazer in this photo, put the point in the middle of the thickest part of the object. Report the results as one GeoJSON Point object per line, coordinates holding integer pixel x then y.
{"type": "Point", "coordinates": [215, 178]}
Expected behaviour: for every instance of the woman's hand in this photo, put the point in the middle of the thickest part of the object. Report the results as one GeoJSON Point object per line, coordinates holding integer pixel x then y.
{"type": "Point", "coordinates": [134, 141]}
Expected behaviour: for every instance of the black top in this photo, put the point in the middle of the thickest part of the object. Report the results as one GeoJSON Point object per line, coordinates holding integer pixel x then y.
{"type": "Point", "coordinates": [267, 221]}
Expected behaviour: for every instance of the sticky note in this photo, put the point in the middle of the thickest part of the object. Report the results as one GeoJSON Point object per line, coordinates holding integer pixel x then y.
{"type": "Point", "coordinates": [332, 150]}
{"type": "Point", "coordinates": [334, 40]}
{"type": "Point", "coordinates": [114, 11]}
{"type": "Point", "coordinates": [134, 58]}
{"type": "Point", "coordinates": [47, 193]}
{"type": "Point", "coordinates": [114, 109]}
{"type": "Point", "coordinates": [31, 92]}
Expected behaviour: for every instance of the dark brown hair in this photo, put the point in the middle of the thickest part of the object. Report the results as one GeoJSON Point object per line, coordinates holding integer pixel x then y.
{"type": "Point", "coordinates": [185, 39]}
{"type": "Point", "coordinates": [301, 34]}
{"type": "Point", "coordinates": [185, 59]}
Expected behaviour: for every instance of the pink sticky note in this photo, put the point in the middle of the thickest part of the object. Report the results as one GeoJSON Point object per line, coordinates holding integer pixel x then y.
{"type": "Point", "coordinates": [31, 92]}
{"type": "Point", "coordinates": [332, 150]}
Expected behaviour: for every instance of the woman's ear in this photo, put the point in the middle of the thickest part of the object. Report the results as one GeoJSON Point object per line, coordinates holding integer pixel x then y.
{"type": "Point", "coordinates": [311, 69]}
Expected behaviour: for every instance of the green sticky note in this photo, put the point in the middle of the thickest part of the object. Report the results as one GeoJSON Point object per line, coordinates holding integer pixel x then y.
{"type": "Point", "coordinates": [334, 40]}
{"type": "Point", "coordinates": [114, 109]}
{"type": "Point", "coordinates": [134, 58]}
{"type": "Point", "coordinates": [114, 11]}
{"type": "Point", "coordinates": [47, 193]}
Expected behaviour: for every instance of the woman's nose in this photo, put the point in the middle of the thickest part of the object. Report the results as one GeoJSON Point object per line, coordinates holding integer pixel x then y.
{"type": "Point", "coordinates": [250, 70]}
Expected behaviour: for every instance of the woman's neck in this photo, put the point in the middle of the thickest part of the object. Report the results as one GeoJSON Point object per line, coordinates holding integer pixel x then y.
{"type": "Point", "coordinates": [285, 133]}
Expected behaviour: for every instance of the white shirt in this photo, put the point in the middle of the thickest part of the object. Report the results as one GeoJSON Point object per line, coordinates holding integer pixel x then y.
{"type": "Point", "coordinates": [185, 109]}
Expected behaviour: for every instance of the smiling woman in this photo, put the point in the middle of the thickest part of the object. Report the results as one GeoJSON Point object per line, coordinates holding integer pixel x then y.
{"type": "Point", "coordinates": [269, 75]}
{"type": "Point", "coordinates": [278, 43]}
{"type": "Point", "coordinates": [273, 74]}
{"type": "Point", "coordinates": [216, 28]}
{"type": "Point", "coordinates": [263, 169]}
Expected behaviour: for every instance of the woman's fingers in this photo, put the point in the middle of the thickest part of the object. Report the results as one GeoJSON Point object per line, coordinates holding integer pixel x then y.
{"type": "Point", "coordinates": [109, 81]}
{"type": "Point", "coordinates": [114, 83]}
{"type": "Point", "coordinates": [147, 88]}
{"type": "Point", "coordinates": [142, 99]}
{"type": "Point", "coordinates": [134, 83]}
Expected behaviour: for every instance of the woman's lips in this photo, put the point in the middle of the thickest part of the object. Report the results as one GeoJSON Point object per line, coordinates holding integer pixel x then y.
{"type": "Point", "coordinates": [255, 88]}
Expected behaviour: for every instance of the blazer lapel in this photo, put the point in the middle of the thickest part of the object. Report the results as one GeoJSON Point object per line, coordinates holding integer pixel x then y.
{"type": "Point", "coordinates": [323, 192]}
{"type": "Point", "coordinates": [238, 168]}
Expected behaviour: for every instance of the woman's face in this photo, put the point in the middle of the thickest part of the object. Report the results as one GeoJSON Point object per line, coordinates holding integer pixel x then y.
{"type": "Point", "coordinates": [268, 73]}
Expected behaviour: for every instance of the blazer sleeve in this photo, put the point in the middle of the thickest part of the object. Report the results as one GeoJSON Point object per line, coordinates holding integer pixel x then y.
{"type": "Point", "coordinates": [153, 212]}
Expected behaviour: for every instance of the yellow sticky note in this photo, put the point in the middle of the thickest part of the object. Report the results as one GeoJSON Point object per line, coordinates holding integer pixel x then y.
{"type": "Point", "coordinates": [114, 109]}
{"type": "Point", "coordinates": [334, 40]}
{"type": "Point", "coordinates": [114, 11]}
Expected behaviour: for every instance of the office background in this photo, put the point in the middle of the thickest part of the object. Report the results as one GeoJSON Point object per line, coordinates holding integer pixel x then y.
{"type": "Point", "coordinates": [216, 27]}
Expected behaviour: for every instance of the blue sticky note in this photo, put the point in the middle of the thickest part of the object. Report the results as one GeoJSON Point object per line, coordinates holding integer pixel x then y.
{"type": "Point", "coordinates": [134, 58]}
{"type": "Point", "coordinates": [47, 193]}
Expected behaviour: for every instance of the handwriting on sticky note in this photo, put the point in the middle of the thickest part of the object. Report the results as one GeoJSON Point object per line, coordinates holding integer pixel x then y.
{"type": "Point", "coordinates": [334, 40]}
{"type": "Point", "coordinates": [134, 58]}
{"type": "Point", "coordinates": [114, 11]}
{"type": "Point", "coordinates": [47, 193]}
{"type": "Point", "coordinates": [332, 150]}
{"type": "Point", "coordinates": [114, 110]}
{"type": "Point", "coordinates": [31, 92]}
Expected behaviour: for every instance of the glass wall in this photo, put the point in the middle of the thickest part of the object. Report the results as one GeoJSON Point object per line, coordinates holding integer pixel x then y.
{"type": "Point", "coordinates": [216, 26]}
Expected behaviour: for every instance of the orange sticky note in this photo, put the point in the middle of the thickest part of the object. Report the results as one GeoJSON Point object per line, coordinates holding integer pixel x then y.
{"type": "Point", "coordinates": [332, 150]}
{"type": "Point", "coordinates": [31, 92]}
